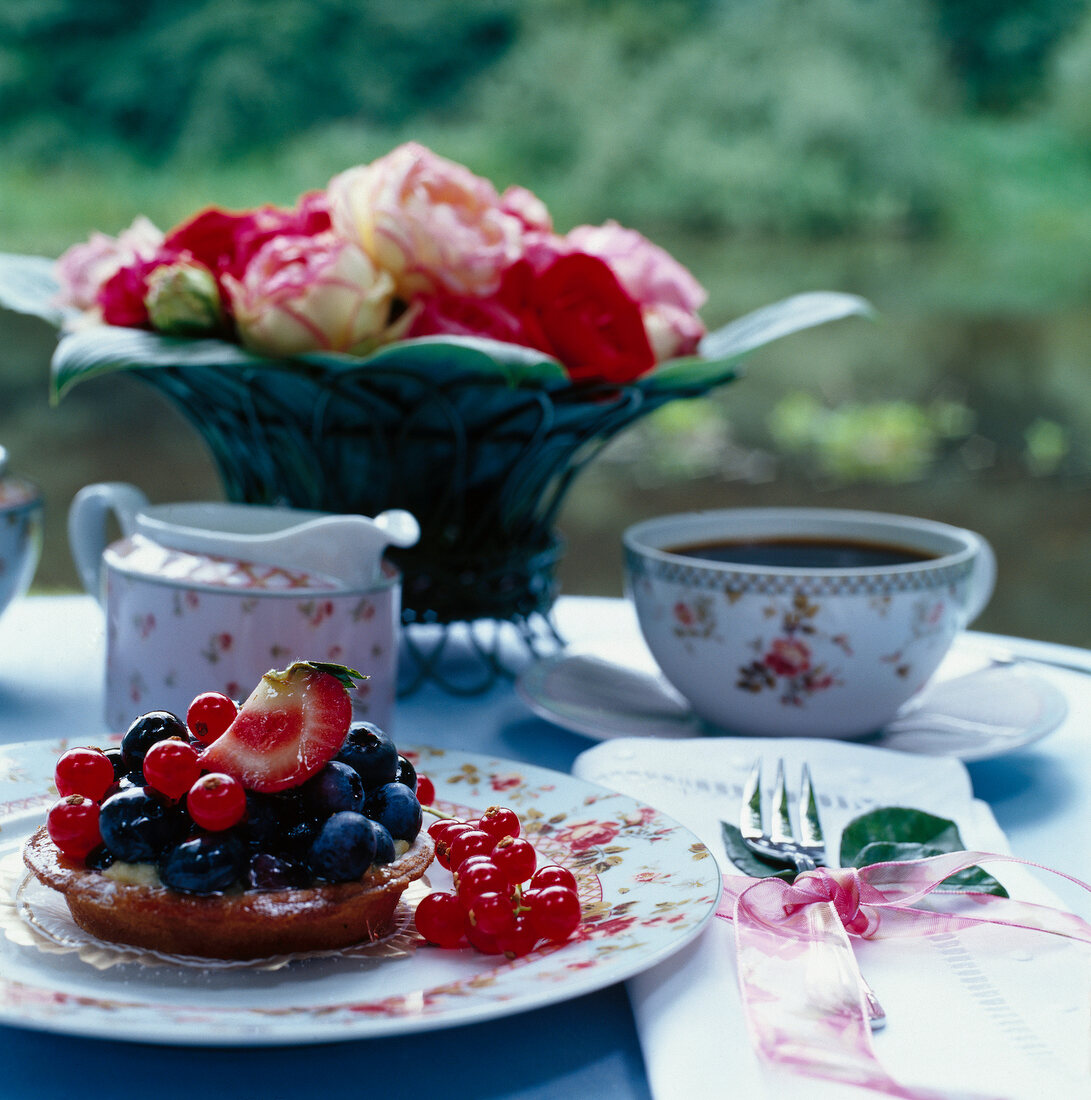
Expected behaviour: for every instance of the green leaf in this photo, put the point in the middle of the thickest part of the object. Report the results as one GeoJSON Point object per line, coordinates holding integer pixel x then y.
{"type": "Point", "coordinates": [772, 322]}
{"type": "Point", "coordinates": [900, 833]}
{"type": "Point", "coordinates": [87, 353]}
{"type": "Point", "coordinates": [470, 354]}
{"type": "Point", "coordinates": [103, 349]}
{"type": "Point", "coordinates": [28, 285]}
{"type": "Point", "coordinates": [746, 861]}
{"type": "Point", "coordinates": [721, 350]}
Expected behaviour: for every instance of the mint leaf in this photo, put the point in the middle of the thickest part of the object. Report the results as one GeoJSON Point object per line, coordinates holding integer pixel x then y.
{"type": "Point", "coordinates": [748, 862]}
{"type": "Point", "coordinates": [894, 833]}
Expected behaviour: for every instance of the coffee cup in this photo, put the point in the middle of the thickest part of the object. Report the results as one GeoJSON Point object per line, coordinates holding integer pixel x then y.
{"type": "Point", "coordinates": [208, 596]}
{"type": "Point", "coordinates": [802, 621]}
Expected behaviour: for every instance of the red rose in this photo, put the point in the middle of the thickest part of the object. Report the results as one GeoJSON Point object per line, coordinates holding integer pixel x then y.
{"type": "Point", "coordinates": [593, 325]}
{"type": "Point", "coordinates": [226, 242]}
{"type": "Point", "coordinates": [573, 309]}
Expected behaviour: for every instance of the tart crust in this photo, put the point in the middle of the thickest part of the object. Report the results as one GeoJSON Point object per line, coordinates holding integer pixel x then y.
{"type": "Point", "coordinates": [248, 925]}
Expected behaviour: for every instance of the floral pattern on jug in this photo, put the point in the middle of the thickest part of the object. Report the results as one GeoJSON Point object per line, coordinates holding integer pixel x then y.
{"type": "Point", "coordinates": [168, 643]}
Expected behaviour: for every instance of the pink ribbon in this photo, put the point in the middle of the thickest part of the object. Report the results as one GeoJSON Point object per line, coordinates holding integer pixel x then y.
{"type": "Point", "coordinates": [801, 986]}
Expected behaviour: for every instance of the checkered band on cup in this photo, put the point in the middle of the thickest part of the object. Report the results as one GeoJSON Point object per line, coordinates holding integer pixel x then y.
{"type": "Point", "coordinates": [747, 582]}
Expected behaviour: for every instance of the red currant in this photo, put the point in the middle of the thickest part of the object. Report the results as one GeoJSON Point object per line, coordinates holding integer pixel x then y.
{"type": "Point", "coordinates": [553, 875]}
{"type": "Point", "coordinates": [216, 801]}
{"type": "Point", "coordinates": [483, 941]}
{"type": "Point", "coordinates": [491, 913]}
{"type": "Point", "coordinates": [470, 843]}
{"type": "Point", "coordinates": [498, 821]}
{"type": "Point", "coordinates": [171, 767]}
{"type": "Point", "coordinates": [554, 912]}
{"type": "Point", "coordinates": [209, 715]}
{"type": "Point", "coordinates": [519, 939]}
{"type": "Point", "coordinates": [440, 919]}
{"type": "Point", "coordinates": [426, 790]}
{"type": "Point", "coordinates": [72, 824]}
{"type": "Point", "coordinates": [479, 877]}
{"type": "Point", "coordinates": [516, 858]}
{"type": "Point", "coordinates": [85, 771]}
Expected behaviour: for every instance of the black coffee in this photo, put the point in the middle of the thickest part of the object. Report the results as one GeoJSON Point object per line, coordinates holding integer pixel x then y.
{"type": "Point", "coordinates": [804, 553]}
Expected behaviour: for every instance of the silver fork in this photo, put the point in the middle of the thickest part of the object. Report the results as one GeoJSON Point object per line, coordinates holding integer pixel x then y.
{"type": "Point", "coordinates": [780, 844]}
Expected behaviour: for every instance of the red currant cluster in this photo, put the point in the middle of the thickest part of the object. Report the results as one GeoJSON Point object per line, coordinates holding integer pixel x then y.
{"type": "Point", "coordinates": [503, 903]}
{"type": "Point", "coordinates": [86, 776]}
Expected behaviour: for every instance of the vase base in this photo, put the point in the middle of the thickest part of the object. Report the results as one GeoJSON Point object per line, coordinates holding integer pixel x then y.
{"type": "Point", "coordinates": [470, 658]}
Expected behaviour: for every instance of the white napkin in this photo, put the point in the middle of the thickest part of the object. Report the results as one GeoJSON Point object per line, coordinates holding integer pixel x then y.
{"type": "Point", "coordinates": [964, 1014]}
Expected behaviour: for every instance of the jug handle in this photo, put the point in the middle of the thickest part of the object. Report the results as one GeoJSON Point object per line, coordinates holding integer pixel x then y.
{"type": "Point", "coordinates": [87, 517]}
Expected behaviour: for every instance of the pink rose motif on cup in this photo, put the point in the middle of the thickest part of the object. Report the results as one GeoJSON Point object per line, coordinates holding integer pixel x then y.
{"type": "Point", "coordinates": [788, 657]}
{"type": "Point", "coordinates": [928, 621]}
{"type": "Point", "coordinates": [787, 663]}
{"type": "Point", "coordinates": [694, 618]}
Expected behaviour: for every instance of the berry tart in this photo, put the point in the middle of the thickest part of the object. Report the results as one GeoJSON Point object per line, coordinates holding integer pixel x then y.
{"type": "Point", "coordinates": [273, 828]}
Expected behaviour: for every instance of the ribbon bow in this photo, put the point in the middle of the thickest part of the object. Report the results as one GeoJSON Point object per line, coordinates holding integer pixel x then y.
{"type": "Point", "coordinates": [800, 983]}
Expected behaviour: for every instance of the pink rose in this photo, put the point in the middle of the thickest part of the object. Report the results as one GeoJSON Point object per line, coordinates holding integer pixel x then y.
{"type": "Point", "coordinates": [788, 657]}
{"type": "Point", "coordinates": [668, 295]}
{"type": "Point", "coordinates": [84, 268]}
{"type": "Point", "coordinates": [430, 222]}
{"type": "Point", "coordinates": [528, 208]}
{"type": "Point", "coordinates": [303, 294]}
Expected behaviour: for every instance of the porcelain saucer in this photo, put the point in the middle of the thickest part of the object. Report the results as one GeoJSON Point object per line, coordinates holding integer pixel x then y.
{"type": "Point", "coordinates": [613, 689]}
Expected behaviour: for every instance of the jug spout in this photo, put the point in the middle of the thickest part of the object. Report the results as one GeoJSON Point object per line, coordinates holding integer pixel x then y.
{"type": "Point", "coordinates": [347, 549]}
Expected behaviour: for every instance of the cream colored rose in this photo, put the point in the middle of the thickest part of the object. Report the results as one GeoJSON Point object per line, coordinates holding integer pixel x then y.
{"type": "Point", "coordinates": [317, 293]}
{"type": "Point", "coordinates": [429, 221]}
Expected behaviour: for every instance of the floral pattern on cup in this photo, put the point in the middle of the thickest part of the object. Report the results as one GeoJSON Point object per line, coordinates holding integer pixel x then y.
{"type": "Point", "coordinates": [795, 651]}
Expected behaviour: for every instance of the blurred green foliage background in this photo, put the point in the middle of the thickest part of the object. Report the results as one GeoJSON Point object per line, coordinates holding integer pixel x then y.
{"type": "Point", "coordinates": [933, 155]}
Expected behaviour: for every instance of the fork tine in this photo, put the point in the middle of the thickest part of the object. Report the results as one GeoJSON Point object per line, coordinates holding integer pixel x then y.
{"type": "Point", "coordinates": [750, 811]}
{"type": "Point", "coordinates": [809, 824]}
{"type": "Point", "coordinates": [781, 829]}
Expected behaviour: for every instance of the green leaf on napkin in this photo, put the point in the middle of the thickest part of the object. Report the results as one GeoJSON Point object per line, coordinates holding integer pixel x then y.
{"type": "Point", "coordinates": [879, 836]}
{"type": "Point", "coordinates": [747, 861]}
{"type": "Point", "coordinates": [898, 833]}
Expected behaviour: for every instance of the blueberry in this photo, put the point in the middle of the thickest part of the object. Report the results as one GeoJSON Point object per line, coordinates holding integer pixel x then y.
{"type": "Point", "coordinates": [395, 806]}
{"type": "Point", "coordinates": [295, 841]}
{"type": "Point", "coordinates": [208, 864]}
{"type": "Point", "coordinates": [344, 848]}
{"type": "Point", "coordinates": [98, 859]}
{"type": "Point", "coordinates": [136, 825]}
{"type": "Point", "coordinates": [156, 725]}
{"type": "Point", "coordinates": [335, 788]}
{"type": "Point", "coordinates": [270, 816]}
{"type": "Point", "coordinates": [407, 774]}
{"type": "Point", "coordinates": [114, 755]}
{"type": "Point", "coordinates": [266, 871]}
{"type": "Point", "coordinates": [371, 753]}
{"type": "Point", "coordinates": [384, 844]}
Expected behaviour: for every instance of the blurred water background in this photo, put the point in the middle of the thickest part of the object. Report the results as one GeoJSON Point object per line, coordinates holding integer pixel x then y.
{"type": "Point", "coordinates": [934, 156]}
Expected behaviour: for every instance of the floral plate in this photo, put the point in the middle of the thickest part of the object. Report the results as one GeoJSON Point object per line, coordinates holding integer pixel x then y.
{"type": "Point", "coordinates": [647, 886]}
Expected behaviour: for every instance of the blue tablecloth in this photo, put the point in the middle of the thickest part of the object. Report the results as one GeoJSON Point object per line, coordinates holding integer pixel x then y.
{"type": "Point", "coordinates": [51, 660]}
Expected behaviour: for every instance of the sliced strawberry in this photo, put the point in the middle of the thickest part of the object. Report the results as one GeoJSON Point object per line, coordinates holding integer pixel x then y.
{"type": "Point", "coordinates": [292, 724]}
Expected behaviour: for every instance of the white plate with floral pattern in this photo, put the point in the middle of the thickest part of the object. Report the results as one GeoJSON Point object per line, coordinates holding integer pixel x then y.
{"type": "Point", "coordinates": [647, 886]}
